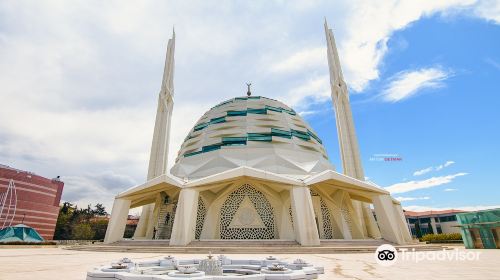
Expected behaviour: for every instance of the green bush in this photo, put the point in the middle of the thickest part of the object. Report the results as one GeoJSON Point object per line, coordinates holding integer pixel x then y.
{"type": "Point", "coordinates": [441, 237]}
{"type": "Point", "coordinates": [83, 232]}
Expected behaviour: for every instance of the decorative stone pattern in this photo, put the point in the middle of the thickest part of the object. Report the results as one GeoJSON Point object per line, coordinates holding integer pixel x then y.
{"type": "Point", "coordinates": [263, 208]}
{"type": "Point", "coordinates": [246, 216]}
{"type": "Point", "coordinates": [327, 221]}
{"type": "Point", "coordinates": [200, 217]}
{"type": "Point", "coordinates": [346, 214]}
{"type": "Point", "coordinates": [327, 226]}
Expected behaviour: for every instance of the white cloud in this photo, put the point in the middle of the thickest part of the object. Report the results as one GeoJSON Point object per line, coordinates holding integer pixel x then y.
{"type": "Point", "coordinates": [422, 171]}
{"type": "Point", "coordinates": [80, 80]}
{"type": "Point", "coordinates": [489, 10]}
{"type": "Point", "coordinates": [446, 164]}
{"type": "Point", "coordinates": [401, 198]}
{"type": "Point", "coordinates": [313, 91]}
{"type": "Point", "coordinates": [302, 60]}
{"type": "Point", "coordinates": [436, 168]}
{"type": "Point", "coordinates": [407, 84]}
{"type": "Point", "coordinates": [422, 184]}
{"type": "Point", "coordinates": [363, 46]}
{"type": "Point", "coordinates": [419, 208]}
{"type": "Point", "coordinates": [450, 190]}
{"type": "Point", "coordinates": [85, 188]}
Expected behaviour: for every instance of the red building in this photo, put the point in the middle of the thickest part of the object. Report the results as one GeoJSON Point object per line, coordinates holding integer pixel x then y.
{"type": "Point", "coordinates": [37, 203]}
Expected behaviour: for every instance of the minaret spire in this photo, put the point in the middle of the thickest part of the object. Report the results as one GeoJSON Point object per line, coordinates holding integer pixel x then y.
{"type": "Point", "coordinates": [349, 151]}
{"type": "Point", "coordinates": [161, 136]}
{"type": "Point", "coordinates": [158, 158]}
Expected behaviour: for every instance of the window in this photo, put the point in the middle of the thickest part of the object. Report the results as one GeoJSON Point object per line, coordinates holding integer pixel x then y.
{"type": "Point", "coordinates": [444, 219]}
{"type": "Point", "coordinates": [192, 153]}
{"type": "Point", "coordinates": [314, 136]}
{"type": "Point", "coordinates": [232, 141]}
{"type": "Point", "coordinates": [281, 133]}
{"type": "Point", "coordinates": [210, 148]}
{"type": "Point", "coordinates": [439, 230]}
{"type": "Point", "coordinates": [412, 220]}
{"type": "Point", "coordinates": [260, 137]}
{"type": "Point", "coordinates": [262, 111]}
{"type": "Point", "coordinates": [200, 126]}
{"type": "Point", "coordinates": [236, 113]}
{"type": "Point", "coordinates": [424, 220]}
{"type": "Point", "coordinates": [301, 134]}
{"type": "Point", "coordinates": [272, 108]}
{"type": "Point", "coordinates": [217, 120]}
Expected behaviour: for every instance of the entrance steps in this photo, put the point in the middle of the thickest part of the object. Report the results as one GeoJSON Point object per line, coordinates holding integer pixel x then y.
{"type": "Point", "coordinates": [248, 247]}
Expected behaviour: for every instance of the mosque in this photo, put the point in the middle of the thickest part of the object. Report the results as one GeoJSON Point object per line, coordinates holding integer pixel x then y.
{"type": "Point", "coordinates": [252, 169]}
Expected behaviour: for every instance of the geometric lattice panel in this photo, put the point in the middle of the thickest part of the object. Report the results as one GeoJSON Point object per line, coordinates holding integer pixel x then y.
{"type": "Point", "coordinates": [246, 216]}
{"type": "Point", "coordinates": [200, 217]}
{"type": "Point", "coordinates": [346, 214]}
{"type": "Point", "coordinates": [262, 207]}
{"type": "Point", "coordinates": [327, 221]}
{"type": "Point", "coordinates": [326, 230]}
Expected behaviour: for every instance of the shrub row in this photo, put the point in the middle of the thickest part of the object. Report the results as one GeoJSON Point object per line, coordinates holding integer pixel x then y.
{"type": "Point", "coordinates": [441, 237]}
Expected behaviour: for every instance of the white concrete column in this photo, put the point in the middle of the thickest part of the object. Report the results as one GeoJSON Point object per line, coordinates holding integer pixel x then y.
{"type": "Point", "coordinates": [286, 228]}
{"type": "Point", "coordinates": [387, 219]}
{"type": "Point", "coordinates": [357, 207]}
{"type": "Point", "coordinates": [339, 197]}
{"type": "Point", "coordinates": [183, 230]}
{"type": "Point", "coordinates": [371, 225]}
{"type": "Point", "coordinates": [142, 226]}
{"type": "Point", "coordinates": [433, 225]}
{"type": "Point", "coordinates": [356, 227]}
{"type": "Point", "coordinates": [118, 221]}
{"type": "Point", "coordinates": [306, 232]}
{"type": "Point", "coordinates": [403, 226]}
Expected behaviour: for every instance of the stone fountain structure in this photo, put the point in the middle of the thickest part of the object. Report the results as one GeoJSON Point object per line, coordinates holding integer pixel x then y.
{"type": "Point", "coordinates": [210, 268]}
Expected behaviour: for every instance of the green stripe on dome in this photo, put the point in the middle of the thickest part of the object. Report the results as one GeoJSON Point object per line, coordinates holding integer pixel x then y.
{"type": "Point", "coordinates": [259, 137]}
{"type": "Point", "coordinates": [241, 113]}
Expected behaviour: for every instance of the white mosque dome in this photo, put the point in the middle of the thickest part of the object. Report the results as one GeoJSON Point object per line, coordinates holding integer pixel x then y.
{"type": "Point", "coordinates": [252, 131]}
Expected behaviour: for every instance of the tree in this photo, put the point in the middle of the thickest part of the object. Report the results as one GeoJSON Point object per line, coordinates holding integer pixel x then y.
{"type": "Point", "coordinates": [80, 223]}
{"type": "Point", "coordinates": [83, 232]}
{"type": "Point", "coordinates": [99, 210]}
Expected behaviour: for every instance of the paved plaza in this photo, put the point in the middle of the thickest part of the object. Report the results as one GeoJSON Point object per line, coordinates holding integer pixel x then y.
{"type": "Point", "coordinates": [60, 264]}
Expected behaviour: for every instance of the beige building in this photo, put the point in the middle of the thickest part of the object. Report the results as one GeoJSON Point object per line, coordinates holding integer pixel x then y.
{"type": "Point", "coordinates": [432, 222]}
{"type": "Point", "coordinates": [252, 168]}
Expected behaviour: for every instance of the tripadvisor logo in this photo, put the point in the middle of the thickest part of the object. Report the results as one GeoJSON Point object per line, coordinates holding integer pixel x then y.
{"type": "Point", "coordinates": [386, 255]}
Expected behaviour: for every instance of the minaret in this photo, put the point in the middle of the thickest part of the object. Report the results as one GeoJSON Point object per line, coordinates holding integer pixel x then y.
{"type": "Point", "coordinates": [161, 136]}
{"type": "Point", "coordinates": [349, 150]}
{"type": "Point", "coordinates": [158, 158]}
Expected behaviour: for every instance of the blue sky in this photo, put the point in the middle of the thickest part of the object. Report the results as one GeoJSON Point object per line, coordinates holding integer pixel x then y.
{"type": "Point", "coordinates": [80, 83]}
{"type": "Point", "coordinates": [456, 121]}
